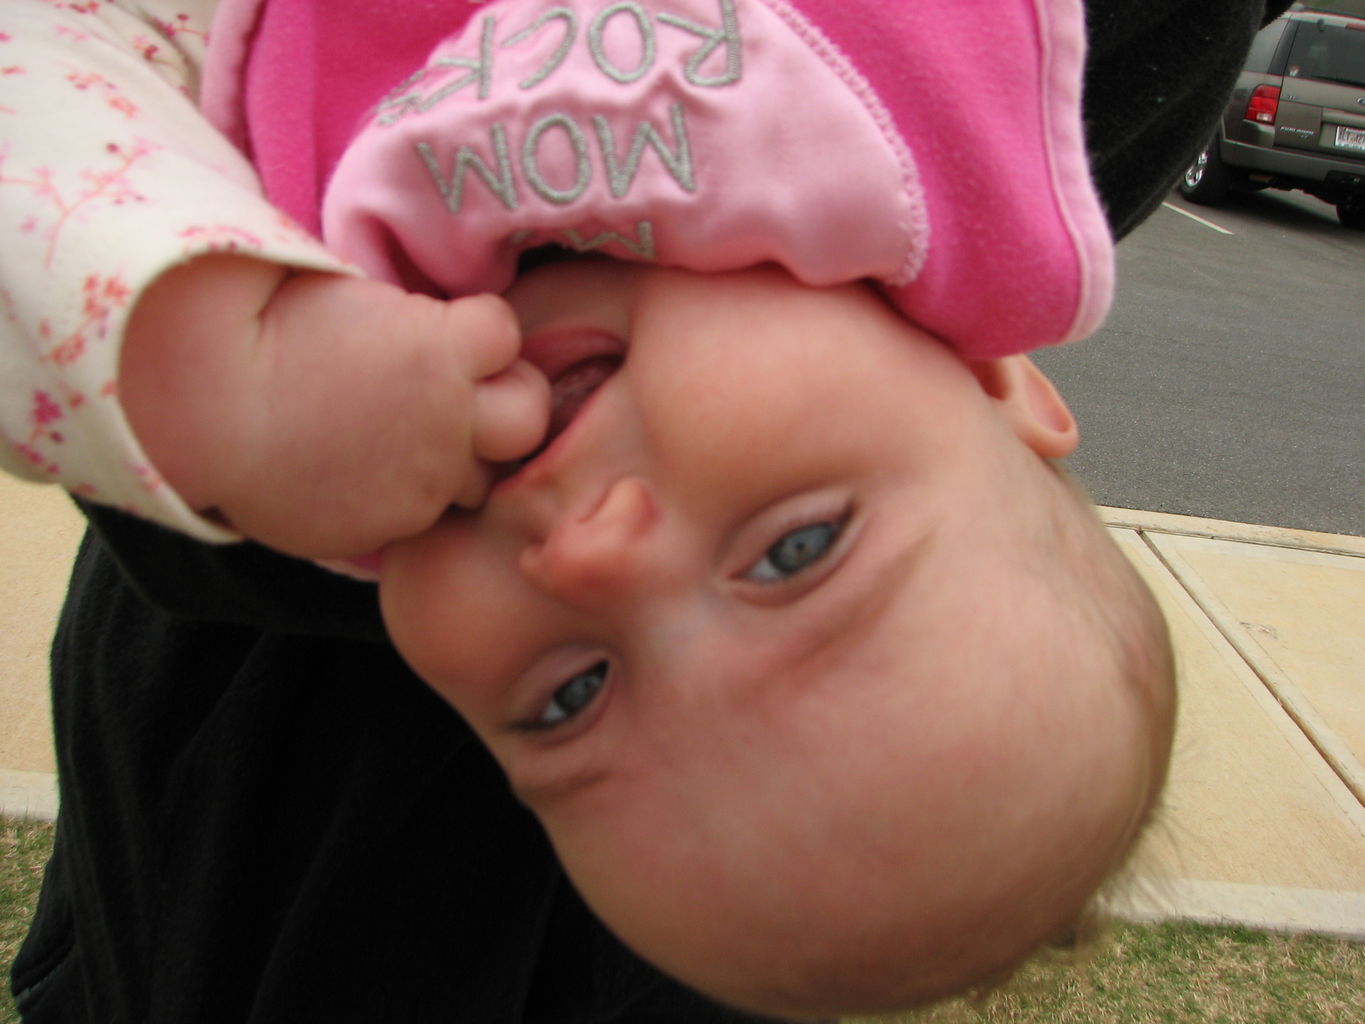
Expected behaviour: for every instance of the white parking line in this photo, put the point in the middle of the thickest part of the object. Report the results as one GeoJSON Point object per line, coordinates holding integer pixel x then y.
{"type": "Point", "coordinates": [1197, 219]}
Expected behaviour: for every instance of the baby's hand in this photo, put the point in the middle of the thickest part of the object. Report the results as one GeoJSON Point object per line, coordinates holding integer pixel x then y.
{"type": "Point", "coordinates": [319, 414]}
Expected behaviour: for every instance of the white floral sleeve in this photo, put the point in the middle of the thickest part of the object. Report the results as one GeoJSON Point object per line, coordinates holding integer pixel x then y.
{"type": "Point", "coordinates": [108, 177]}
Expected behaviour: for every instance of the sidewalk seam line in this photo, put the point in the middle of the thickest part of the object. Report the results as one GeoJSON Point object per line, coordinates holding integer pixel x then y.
{"type": "Point", "coordinates": [1322, 743]}
{"type": "Point", "coordinates": [1181, 525]}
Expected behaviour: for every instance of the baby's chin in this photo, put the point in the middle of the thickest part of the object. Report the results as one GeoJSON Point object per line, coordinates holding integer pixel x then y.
{"type": "Point", "coordinates": [879, 901]}
{"type": "Point", "coordinates": [823, 955]}
{"type": "Point", "coordinates": [815, 963]}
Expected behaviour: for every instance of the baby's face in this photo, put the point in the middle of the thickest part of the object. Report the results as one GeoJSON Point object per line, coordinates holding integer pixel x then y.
{"type": "Point", "coordinates": [742, 599]}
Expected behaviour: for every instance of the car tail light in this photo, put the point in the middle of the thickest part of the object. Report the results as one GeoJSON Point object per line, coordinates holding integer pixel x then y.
{"type": "Point", "coordinates": [1265, 100]}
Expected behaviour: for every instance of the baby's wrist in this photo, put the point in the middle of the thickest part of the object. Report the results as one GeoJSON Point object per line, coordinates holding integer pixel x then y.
{"type": "Point", "coordinates": [211, 295]}
{"type": "Point", "coordinates": [183, 365]}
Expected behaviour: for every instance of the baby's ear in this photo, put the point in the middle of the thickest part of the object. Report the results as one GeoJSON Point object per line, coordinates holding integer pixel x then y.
{"type": "Point", "coordinates": [1031, 404]}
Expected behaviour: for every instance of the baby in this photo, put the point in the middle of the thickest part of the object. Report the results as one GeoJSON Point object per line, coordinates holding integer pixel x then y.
{"type": "Point", "coordinates": [831, 692]}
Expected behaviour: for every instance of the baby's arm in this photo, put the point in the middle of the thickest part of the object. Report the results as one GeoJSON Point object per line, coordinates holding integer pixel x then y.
{"type": "Point", "coordinates": [109, 178]}
{"type": "Point", "coordinates": [109, 175]}
{"type": "Point", "coordinates": [320, 414]}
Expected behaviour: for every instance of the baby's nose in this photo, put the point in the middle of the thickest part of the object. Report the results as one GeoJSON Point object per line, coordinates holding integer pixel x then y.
{"type": "Point", "coordinates": [601, 557]}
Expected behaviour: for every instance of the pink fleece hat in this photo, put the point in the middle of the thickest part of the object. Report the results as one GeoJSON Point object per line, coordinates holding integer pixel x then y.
{"type": "Point", "coordinates": [933, 146]}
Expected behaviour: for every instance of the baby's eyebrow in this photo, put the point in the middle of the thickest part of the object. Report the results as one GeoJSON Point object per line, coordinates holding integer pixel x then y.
{"type": "Point", "coordinates": [853, 610]}
{"type": "Point", "coordinates": [559, 787]}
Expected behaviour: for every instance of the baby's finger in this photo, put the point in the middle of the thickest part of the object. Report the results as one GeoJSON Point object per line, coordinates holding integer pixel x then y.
{"type": "Point", "coordinates": [473, 487]}
{"type": "Point", "coordinates": [486, 330]}
{"type": "Point", "coordinates": [511, 413]}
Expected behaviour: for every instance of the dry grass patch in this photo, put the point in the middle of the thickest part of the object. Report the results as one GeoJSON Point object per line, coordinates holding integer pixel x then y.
{"type": "Point", "coordinates": [1178, 974]}
{"type": "Point", "coordinates": [24, 849]}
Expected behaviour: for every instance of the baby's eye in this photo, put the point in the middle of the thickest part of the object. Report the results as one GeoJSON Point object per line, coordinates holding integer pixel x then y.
{"type": "Point", "coordinates": [573, 696]}
{"type": "Point", "coordinates": [794, 551]}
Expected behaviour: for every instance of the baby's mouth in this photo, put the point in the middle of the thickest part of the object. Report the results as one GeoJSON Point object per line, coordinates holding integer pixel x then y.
{"type": "Point", "coordinates": [570, 389]}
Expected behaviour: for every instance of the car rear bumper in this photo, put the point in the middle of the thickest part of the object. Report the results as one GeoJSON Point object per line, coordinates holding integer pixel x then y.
{"type": "Point", "coordinates": [1340, 175]}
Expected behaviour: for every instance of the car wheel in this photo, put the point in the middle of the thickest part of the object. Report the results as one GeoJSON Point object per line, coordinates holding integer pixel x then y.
{"type": "Point", "coordinates": [1206, 179]}
{"type": "Point", "coordinates": [1351, 212]}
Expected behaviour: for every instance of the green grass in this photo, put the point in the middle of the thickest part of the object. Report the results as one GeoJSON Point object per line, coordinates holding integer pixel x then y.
{"type": "Point", "coordinates": [1139, 974]}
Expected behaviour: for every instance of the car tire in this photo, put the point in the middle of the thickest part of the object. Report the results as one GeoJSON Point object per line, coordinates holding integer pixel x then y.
{"type": "Point", "coordinates": [1351, 212]}
{"type": "Point", "coordinates": [1206, 180]}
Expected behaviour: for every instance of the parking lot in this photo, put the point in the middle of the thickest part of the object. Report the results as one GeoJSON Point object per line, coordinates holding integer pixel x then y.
{"type": "Point", "coordinates": [1228, 381]}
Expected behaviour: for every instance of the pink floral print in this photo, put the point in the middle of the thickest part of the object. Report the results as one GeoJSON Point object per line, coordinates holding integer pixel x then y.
{"type": "Point", "coordinates": [59, 201]}
{"type": "Point", "coordinates": [87, 221]}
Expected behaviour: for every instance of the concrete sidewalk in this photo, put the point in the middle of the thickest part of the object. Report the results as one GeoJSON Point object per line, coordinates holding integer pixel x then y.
{"type": "Point", "coordinates": [1264, 818]}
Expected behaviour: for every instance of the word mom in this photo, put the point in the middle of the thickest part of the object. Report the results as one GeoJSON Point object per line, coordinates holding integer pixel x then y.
{"type": "Point", "coordinates": [500, 177]}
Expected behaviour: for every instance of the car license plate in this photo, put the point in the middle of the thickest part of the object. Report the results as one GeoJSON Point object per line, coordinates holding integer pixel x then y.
{"type": "Point", "coordinates": [1350, 138]}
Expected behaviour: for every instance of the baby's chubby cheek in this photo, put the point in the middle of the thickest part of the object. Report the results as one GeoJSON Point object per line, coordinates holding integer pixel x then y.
{"type": "Point", "coordinates": [415, 599]}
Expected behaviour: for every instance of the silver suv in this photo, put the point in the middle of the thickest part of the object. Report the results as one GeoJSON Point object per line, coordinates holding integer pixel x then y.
{"type": "Point", "coordinates": [1296, 119]}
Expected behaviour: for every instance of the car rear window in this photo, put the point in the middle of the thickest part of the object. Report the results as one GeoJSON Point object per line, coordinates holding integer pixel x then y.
{"type": "Point", "coordinates": [1328, 53]}
{"type": "Point", "coordinates": [1263, 47]}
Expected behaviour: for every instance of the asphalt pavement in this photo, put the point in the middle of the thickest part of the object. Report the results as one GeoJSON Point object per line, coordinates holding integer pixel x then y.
{"type": "Point", "coordinates": [1228, 381]}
